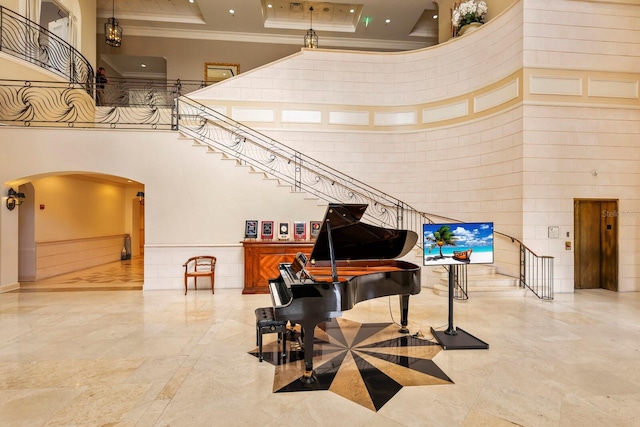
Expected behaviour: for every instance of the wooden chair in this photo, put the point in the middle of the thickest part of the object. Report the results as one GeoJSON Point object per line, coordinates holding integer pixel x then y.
{"type": "Point", "coordinates": [199, 266]}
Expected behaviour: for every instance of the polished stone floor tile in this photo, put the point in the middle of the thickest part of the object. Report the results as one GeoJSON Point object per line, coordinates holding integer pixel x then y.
{"type": "Point", "coordinates": [94, 356]}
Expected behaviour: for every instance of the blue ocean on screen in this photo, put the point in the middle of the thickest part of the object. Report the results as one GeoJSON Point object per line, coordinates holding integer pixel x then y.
{"type": "Point", "coordinates": [455, 243]}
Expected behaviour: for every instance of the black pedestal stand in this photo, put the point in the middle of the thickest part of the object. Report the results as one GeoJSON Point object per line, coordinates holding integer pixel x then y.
{"type": "Point", "coordinates": [456, 338]}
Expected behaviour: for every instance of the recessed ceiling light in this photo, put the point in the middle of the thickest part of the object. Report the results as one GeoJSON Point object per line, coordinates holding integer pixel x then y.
{"type": "Point", "coordinates": [269, 5]}
{"type": "Point", "coordinates": [191, 1]}
{"type": "Point", "coordinates": [387, 21]}
{"type": "Point", "coordinates": [435, 16]}
{"type": "Point", "coordinates": [352, 10]}
{"type": "Point", "coordinates": [231, 11]}
{"type": "Point", "coordinates": [143, 65]}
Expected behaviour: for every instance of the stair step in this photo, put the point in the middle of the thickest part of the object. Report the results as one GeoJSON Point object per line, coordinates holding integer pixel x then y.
{"type": "Point", "coordinates": [474, 270]}
{"type": "Point", "coordinates": [443, 290]}
{"type": "Point", "coordinates": [495, 280]}
{"type": "Point", "coordinates": [481, 280]}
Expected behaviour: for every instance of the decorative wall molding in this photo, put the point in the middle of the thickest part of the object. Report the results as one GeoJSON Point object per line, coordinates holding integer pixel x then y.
{"type": "Point", "coordinates": [394, 119]}
{"type": "Point", "coordinates": [610, 88]}
{"type": "Point", "coordinates": [65, 256]}
{"type": "Point", "coordinates": [445, 112]}
{"type": "Point", "coordinates": [253, 114]}
{"type": "Point", "coordinates": [496, 97]}
{"type": "Point", "coordinates": [353, 118]}
{"type": "Point", "coordinates": [555, 85]}
{"type": "Point", "coordinates": [301, 116]}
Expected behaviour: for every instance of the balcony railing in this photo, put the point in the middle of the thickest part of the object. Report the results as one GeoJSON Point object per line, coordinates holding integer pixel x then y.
{"type": "Point", "coordinates": [30, 42]}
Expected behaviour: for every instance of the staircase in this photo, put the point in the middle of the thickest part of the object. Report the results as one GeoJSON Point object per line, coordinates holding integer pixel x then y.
{"type": "Point", "coordinates": [482, 280]}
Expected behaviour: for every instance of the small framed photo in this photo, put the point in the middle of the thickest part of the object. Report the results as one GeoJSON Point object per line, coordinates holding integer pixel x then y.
{"type": "Point", "coordinates": [251, 229]}
{"type": "Point", "coordinates": [266, 231]}
{"type": "Point", "coordinates": [283, 230]}
{"type": "Point", "coordinates": [299, 230]}
{"type": "Point", "coordinates": [314, 226]}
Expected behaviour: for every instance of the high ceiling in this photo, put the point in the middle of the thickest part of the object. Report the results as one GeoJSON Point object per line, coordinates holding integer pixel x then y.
{"type": "Point", "coordinates": [357, 25]}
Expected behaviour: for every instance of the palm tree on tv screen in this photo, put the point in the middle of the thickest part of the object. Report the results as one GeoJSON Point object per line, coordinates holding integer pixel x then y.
{"type": "Point", "coordinates": [442, 236]}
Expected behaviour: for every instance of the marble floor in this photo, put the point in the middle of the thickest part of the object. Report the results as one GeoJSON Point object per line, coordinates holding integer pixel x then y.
{"type": "Point", "coordinates": [87, 351]}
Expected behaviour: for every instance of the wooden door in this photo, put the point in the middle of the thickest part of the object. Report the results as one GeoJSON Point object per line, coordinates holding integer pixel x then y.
{"type": "Point", "coordinates": [596, 244]}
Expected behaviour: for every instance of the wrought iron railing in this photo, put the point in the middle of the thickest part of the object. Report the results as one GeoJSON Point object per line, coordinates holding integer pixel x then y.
{"type": "Point", "coordinates": [129, 103]}
{"type": "Point", "coordinates": [306, 174]}
{"type": "Point", "coordinates": [460, 291]}
{"type": "Point", "coordinates": [30, 42]}
{"type": "Point", "coordinates": [288, 165]}
{"type": "Point", "coordinates": [122, 92]}
{"type": "Point", "coordinates": [536, 273]}
{"type": "Point", "coordinates": [163, 106]}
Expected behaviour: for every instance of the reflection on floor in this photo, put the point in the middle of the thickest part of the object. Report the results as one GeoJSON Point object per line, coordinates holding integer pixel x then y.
{"type": "Point", "coordinates": [163, 358]}
{"type": "Point", "coordinates": [120, 275]}
{"type": "Point", "coordinates": [365, 363]}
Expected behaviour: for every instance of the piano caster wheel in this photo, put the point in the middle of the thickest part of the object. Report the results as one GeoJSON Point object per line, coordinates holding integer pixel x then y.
{"type": "Point", "coordinates": [308, 377]}
{"type": "Point", "coordinates": [404, 330]}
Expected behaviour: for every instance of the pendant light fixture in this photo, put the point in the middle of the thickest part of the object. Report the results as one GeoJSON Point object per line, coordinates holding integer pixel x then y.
{"type": "Point", "coordinates": [311, 38]}
{"type": "Point", "coordinates": [112, 30]}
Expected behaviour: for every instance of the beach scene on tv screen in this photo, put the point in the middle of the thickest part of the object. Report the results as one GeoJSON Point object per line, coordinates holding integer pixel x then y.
{"type": "Point", "coordinates": [458, 243]}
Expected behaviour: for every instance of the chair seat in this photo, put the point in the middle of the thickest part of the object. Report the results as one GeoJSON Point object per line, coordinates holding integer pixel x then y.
{"type": "Point", "coordinates": [199, 273]}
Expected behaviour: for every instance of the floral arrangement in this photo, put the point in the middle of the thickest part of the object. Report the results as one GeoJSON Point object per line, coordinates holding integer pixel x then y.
{"type": "Point", "coordinates": [467, 12]}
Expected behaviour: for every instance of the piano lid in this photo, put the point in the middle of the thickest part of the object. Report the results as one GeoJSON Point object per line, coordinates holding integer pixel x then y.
{"type": "Point", "coordinates": [354, 240]}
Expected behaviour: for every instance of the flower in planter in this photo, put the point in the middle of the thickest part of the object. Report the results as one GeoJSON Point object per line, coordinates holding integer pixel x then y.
{"type": "Point", "coordinates": [467, 12]}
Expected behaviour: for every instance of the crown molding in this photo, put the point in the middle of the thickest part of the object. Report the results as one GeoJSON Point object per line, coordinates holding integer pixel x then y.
{"type": "Point", "coordinates": [398, 45]}
{"type": "Point", "coordinates": [177, 19]}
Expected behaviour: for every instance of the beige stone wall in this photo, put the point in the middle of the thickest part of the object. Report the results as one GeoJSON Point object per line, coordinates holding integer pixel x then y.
{"type": "Point", "coordinates": [469, 123]}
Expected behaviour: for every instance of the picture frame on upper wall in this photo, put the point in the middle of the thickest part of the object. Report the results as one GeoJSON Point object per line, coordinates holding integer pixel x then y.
{"type": "Point", "coordinates": [215, 72]}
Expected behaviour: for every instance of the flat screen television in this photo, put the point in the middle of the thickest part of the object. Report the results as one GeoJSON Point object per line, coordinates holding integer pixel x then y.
{"type": "Point", "coordinates": [458, 243]}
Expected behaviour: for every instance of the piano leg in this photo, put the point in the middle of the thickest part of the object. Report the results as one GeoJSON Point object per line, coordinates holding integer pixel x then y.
{"type": "Point", "coordinates": [308, 328]}
{"type": "Point", "coordinates": [404, 313]}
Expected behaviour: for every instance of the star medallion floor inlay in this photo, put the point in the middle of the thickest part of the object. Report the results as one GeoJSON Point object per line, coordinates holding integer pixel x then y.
{"type": "Point", "coordinates": [365, 363]}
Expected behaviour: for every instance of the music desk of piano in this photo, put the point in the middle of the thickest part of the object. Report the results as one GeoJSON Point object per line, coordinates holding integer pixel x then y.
{"type": "Point", "coordinates": [351, 262]}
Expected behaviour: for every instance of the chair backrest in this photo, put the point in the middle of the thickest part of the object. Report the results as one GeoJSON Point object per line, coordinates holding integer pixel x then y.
{"type": "Point", "coordinates": [201, 263]}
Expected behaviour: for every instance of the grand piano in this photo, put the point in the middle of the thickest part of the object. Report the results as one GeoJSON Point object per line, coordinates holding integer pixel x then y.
{"type": "Point", "coordinates": [350, 262]}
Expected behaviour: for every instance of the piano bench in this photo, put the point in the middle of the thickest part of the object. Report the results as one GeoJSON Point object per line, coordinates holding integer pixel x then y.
{"type": "Point", "coordinates": [266, 323]}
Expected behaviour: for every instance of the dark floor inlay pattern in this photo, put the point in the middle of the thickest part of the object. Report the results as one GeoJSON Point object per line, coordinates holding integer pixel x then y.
{"type": "Point", "coordinates": [366, 363]}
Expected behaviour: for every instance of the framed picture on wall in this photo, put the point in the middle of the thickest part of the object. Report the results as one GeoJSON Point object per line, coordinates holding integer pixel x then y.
{"type": "Point", "coordinates": [251, 229]}
{"type": "Point", "coordinates": [314, 226]}
{"type": "Point", "coordinates": [266, 231]}
{"type": "Point", "coordinates": [283, 230]}
{"type": "Point", "coordinates": [217, 71]}
{"type": "Point", "coordinates": [299, 230]}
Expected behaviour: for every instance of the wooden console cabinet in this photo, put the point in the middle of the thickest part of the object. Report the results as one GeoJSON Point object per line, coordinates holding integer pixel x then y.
{"type": "Point", "coordinates": [261, 260]}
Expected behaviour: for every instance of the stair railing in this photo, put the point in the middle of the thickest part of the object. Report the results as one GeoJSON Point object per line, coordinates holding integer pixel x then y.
{"type": "Point", "coordinates": [257, 150]}
{"type": "Point", "coordinates": [460, 282]}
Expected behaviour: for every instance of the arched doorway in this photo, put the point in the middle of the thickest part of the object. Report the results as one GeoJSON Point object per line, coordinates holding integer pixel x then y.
{"type": "Point", "coordinates": [70, 222]}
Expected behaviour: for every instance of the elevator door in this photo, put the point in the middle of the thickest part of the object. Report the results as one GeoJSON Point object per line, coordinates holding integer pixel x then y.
{"type": "Point", "coordinates": [596, 244]}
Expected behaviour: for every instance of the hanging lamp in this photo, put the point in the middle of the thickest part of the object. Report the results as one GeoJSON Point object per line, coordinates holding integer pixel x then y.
{"type": "Point", "coordinates": [112, 30]}
{"type": "Point", "coordinates": [311, 38]}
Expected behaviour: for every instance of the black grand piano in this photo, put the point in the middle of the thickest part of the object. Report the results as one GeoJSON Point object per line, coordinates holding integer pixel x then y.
{"type": "Point", "coordinates": [351, 262]}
